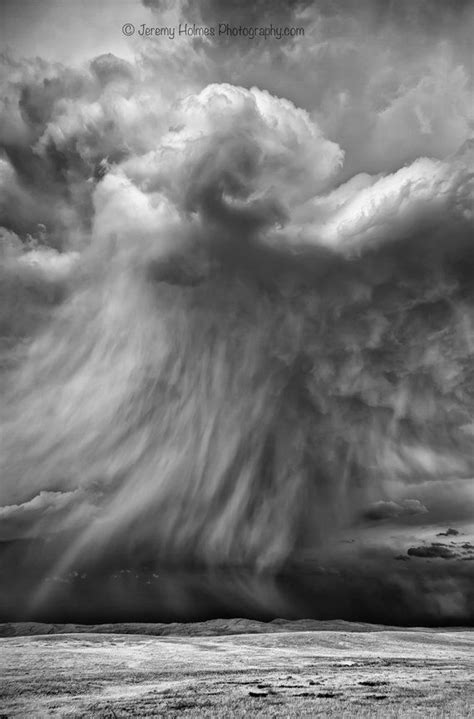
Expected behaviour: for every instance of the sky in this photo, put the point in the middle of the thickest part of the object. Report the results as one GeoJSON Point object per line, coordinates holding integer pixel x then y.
{"type": "Point", "coordinates": [236, 320]}
{"type": "Point", "coordinates": [67, 31]}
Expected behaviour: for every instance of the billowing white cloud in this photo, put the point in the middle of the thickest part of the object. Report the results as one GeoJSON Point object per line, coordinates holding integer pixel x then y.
{"type": "Point", "coordinates": [238, 151]}
{"type": "Point", "coordinates": [427, 196]}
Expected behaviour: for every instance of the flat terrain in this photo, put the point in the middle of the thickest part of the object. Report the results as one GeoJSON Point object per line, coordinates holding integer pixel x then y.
{"type": "Point", "coordinates": [369, 672]}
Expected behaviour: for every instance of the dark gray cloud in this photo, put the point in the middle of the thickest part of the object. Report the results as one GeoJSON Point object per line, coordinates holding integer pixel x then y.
{"type": "Point", "coordinates": [388, 510]}
{"type": "Point", "coordinates": [448, 533]}
{"type": "Point", "coordinates": [434, 550]}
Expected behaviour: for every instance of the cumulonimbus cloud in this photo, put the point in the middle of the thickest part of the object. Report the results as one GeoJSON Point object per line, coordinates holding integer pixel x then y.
{"type": "Point", "coordinates": [219, 348]}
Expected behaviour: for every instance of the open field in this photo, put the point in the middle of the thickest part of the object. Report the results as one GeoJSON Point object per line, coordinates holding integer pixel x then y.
{"type": "Point", "coordinates": [370, 672]}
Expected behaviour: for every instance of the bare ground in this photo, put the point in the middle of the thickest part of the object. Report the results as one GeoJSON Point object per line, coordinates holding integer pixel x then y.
{"type": "Point", "coordinates": [281, 673]}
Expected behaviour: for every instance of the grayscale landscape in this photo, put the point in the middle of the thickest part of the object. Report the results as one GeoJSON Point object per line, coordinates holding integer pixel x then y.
{"type": "Point", "coordinates": [236, 358]}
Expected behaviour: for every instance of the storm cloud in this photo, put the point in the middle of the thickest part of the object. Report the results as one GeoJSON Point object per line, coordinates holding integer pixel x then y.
{"type": "Point", "coordinates": [237, 318]}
